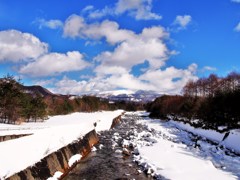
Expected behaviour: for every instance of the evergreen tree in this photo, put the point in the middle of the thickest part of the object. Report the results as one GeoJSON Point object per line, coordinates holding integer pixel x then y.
{"type": "Point", "coordinates": [10, 99]}
{"type": "Point", "coordinates": [17, 105]}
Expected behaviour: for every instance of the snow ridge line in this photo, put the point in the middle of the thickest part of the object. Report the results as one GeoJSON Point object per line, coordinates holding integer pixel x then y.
{"type": "Point", "coordinates": [57, 162]}
{"type": "Point", "coordinates": [14, 136]}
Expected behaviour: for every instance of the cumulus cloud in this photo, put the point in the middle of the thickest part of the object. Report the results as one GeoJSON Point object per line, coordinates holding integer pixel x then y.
{"type": "Point", "coordinates": [148, 45]}
{"type": "Point", "coordinates": [71, 86]}
{"type": "Point", "coordinates": [139, 9]}
{"type": "Point", "coordinates": [132, 48]}
{"type": "Point", "coordinates": [52, 24]}
{"type": "Point", "coordinates": [170, 80]}
{"type": "Point", "coordinates": [128, 81]}
{"type": "Point", "coordinates": [237, 28]}
{"type": "Point", "coordinates": [16, 46]}
{"type": "Point", "coordinates": [101, 13]}
{"type": "Point", "coordinates": [236, 1]}
{"type": "Point", "coordinates": [75, 26]}
{"type": "Point", "coordinates": [182, 21]}
{"type": "Point", "coordinates": [114, 69]}
{"type": "Point", "coordinates": [110, 70]}
{"type": "Point", "coordinates": [54, 64]}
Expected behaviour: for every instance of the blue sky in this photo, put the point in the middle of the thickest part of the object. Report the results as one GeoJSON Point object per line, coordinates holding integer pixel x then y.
{"type": "Point", "coordinates": [76, 47]}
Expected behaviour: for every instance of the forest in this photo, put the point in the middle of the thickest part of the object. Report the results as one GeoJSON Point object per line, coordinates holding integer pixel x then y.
{"type": "Point", "coordinates": [18, 104]}
{"type": "Point", "coordinates": [208, 102]}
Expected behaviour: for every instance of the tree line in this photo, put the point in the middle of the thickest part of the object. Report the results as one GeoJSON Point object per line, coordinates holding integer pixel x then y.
{"type": "Point", "coordinates": [212, 85]}
{"type": "Point", "coordinates": [213, 101]}
{"type": "Point", "coordinates": [16, 105]}
{"type": "Point", "coordinates": [64, 104]}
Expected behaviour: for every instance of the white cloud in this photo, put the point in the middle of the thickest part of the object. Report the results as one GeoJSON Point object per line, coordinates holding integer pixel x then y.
{"type": "Point", "coordinates": [101, 13]}
{"type": "Point", "coordinates": [70, 86]}
{"type": "Point", "coordinates": [128, 81]}
{"type": "Point", "coordinates": [209, 68]}
{"type": "Point", "coordinates": [139, 9]}
{"type": "Point", "coordinates": [236, 1]}
{"type": "Point", "coordinates": [110, 70]}
{"type": "Point", "coordinates": [170, 81]}
{"type": "Point", "coordinates": [148, 46]}
{"type": "Point", "coordinates": [182, 21]}
{"type": "Point", "coordinates": [75, 26]}
{"type": "Point", "coordinates": [45, 82]}
{"type": "Point", "coordinates": [97, 84]}
{"type": "Point", "coordinates": [54, 64]}
{"type": "Point", "coordinates": [237, 28]}
{"type": "Point", "coordinates": [114, 68]}
{"type": "Point", "coordinates": [52, 24]}
{"type": "Point", "coordinates": [88, 8]}
{"type": "Point", "coordinates": [132, 48]}
{"type": "Point", "coordinates": [16, 46]}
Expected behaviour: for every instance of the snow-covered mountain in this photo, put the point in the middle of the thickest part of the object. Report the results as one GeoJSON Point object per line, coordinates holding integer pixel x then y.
{"type": "Point", "coordinates": [116, 95]}
{"type": "Point", "coordinates": [126, 95]}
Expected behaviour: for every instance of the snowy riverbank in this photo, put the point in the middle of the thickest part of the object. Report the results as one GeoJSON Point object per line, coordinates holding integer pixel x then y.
{"type": "Point", "coordinates": [167, 150]}
{"type": "Point", "coordinates": [49, 136]}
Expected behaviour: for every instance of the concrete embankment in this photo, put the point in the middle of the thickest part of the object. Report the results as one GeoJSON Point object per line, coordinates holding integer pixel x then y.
{"type": "Point", "coordinates": [58, 161]}
{"type": "Point", "coordinates": [9, 137]}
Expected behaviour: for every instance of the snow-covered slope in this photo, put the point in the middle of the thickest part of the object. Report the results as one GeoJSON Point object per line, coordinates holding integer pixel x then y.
{"type": "Point", "coordinates": [177, 151]}
{"type": "Point", "coordinates": [47, 137]}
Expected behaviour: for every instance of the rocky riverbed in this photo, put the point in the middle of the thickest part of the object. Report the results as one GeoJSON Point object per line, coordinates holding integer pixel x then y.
{"type": "Point", "coordinates": [117, 155]}
{"type": "Point", "coordinates": [113, 157]}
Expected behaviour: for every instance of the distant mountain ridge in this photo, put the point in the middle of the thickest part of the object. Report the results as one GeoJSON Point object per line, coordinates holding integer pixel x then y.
{"type": "Point", "coordinates": [125, 95]}
{"type": "Point", "coordinates": [115, 95]}
{"type": "Point", "coordinates": [36, 89]}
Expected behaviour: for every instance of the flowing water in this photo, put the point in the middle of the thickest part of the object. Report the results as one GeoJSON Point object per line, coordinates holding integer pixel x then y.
{"type": "Point", "coordinates": [108, 161]}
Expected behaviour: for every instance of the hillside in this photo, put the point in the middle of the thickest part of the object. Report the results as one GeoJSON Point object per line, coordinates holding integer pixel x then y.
{"type": "Point", "coordinates": [38, 90]}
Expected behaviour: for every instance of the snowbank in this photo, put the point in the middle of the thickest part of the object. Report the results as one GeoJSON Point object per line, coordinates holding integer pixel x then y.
{"type": "Point", "coordinates": [48, 137]}
{"type": "Point", "coordinates": [173, 161]}
{"type": "Point", "coordinates": [231, 142]}
{"type": "Point", "coordinates": [168, 157]}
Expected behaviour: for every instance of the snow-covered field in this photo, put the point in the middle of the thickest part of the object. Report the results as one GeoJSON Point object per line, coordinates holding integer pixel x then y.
{"type": "Point", "coordinates": [171, 150]}
{"type": "Point", "coordinates": [49, 136]}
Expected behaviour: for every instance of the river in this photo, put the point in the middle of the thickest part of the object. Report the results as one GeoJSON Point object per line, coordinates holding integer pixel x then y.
{"type": "Point", "coordinates": [109, 161]}
{"type": "Point", "coordinates": [112, 160]}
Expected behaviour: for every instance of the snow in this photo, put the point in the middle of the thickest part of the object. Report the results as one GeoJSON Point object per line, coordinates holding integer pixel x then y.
{"type": "Point", "coordinates": [117, 92]}
{"type": "Point", "coordinates": [74, 159]}
{"type": "Point", "coordinates": [231, 142]}
{"type": "Point", "coordinates": [48, 137]}
{"type": "Point", "coordinates": [94, 149]}
{"type": "Point", "coordinates": [165, 149]}
{"type": "Point", "coordinates": [173, 161]}
{"type": "Point", "coordinates": [56, 176]}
